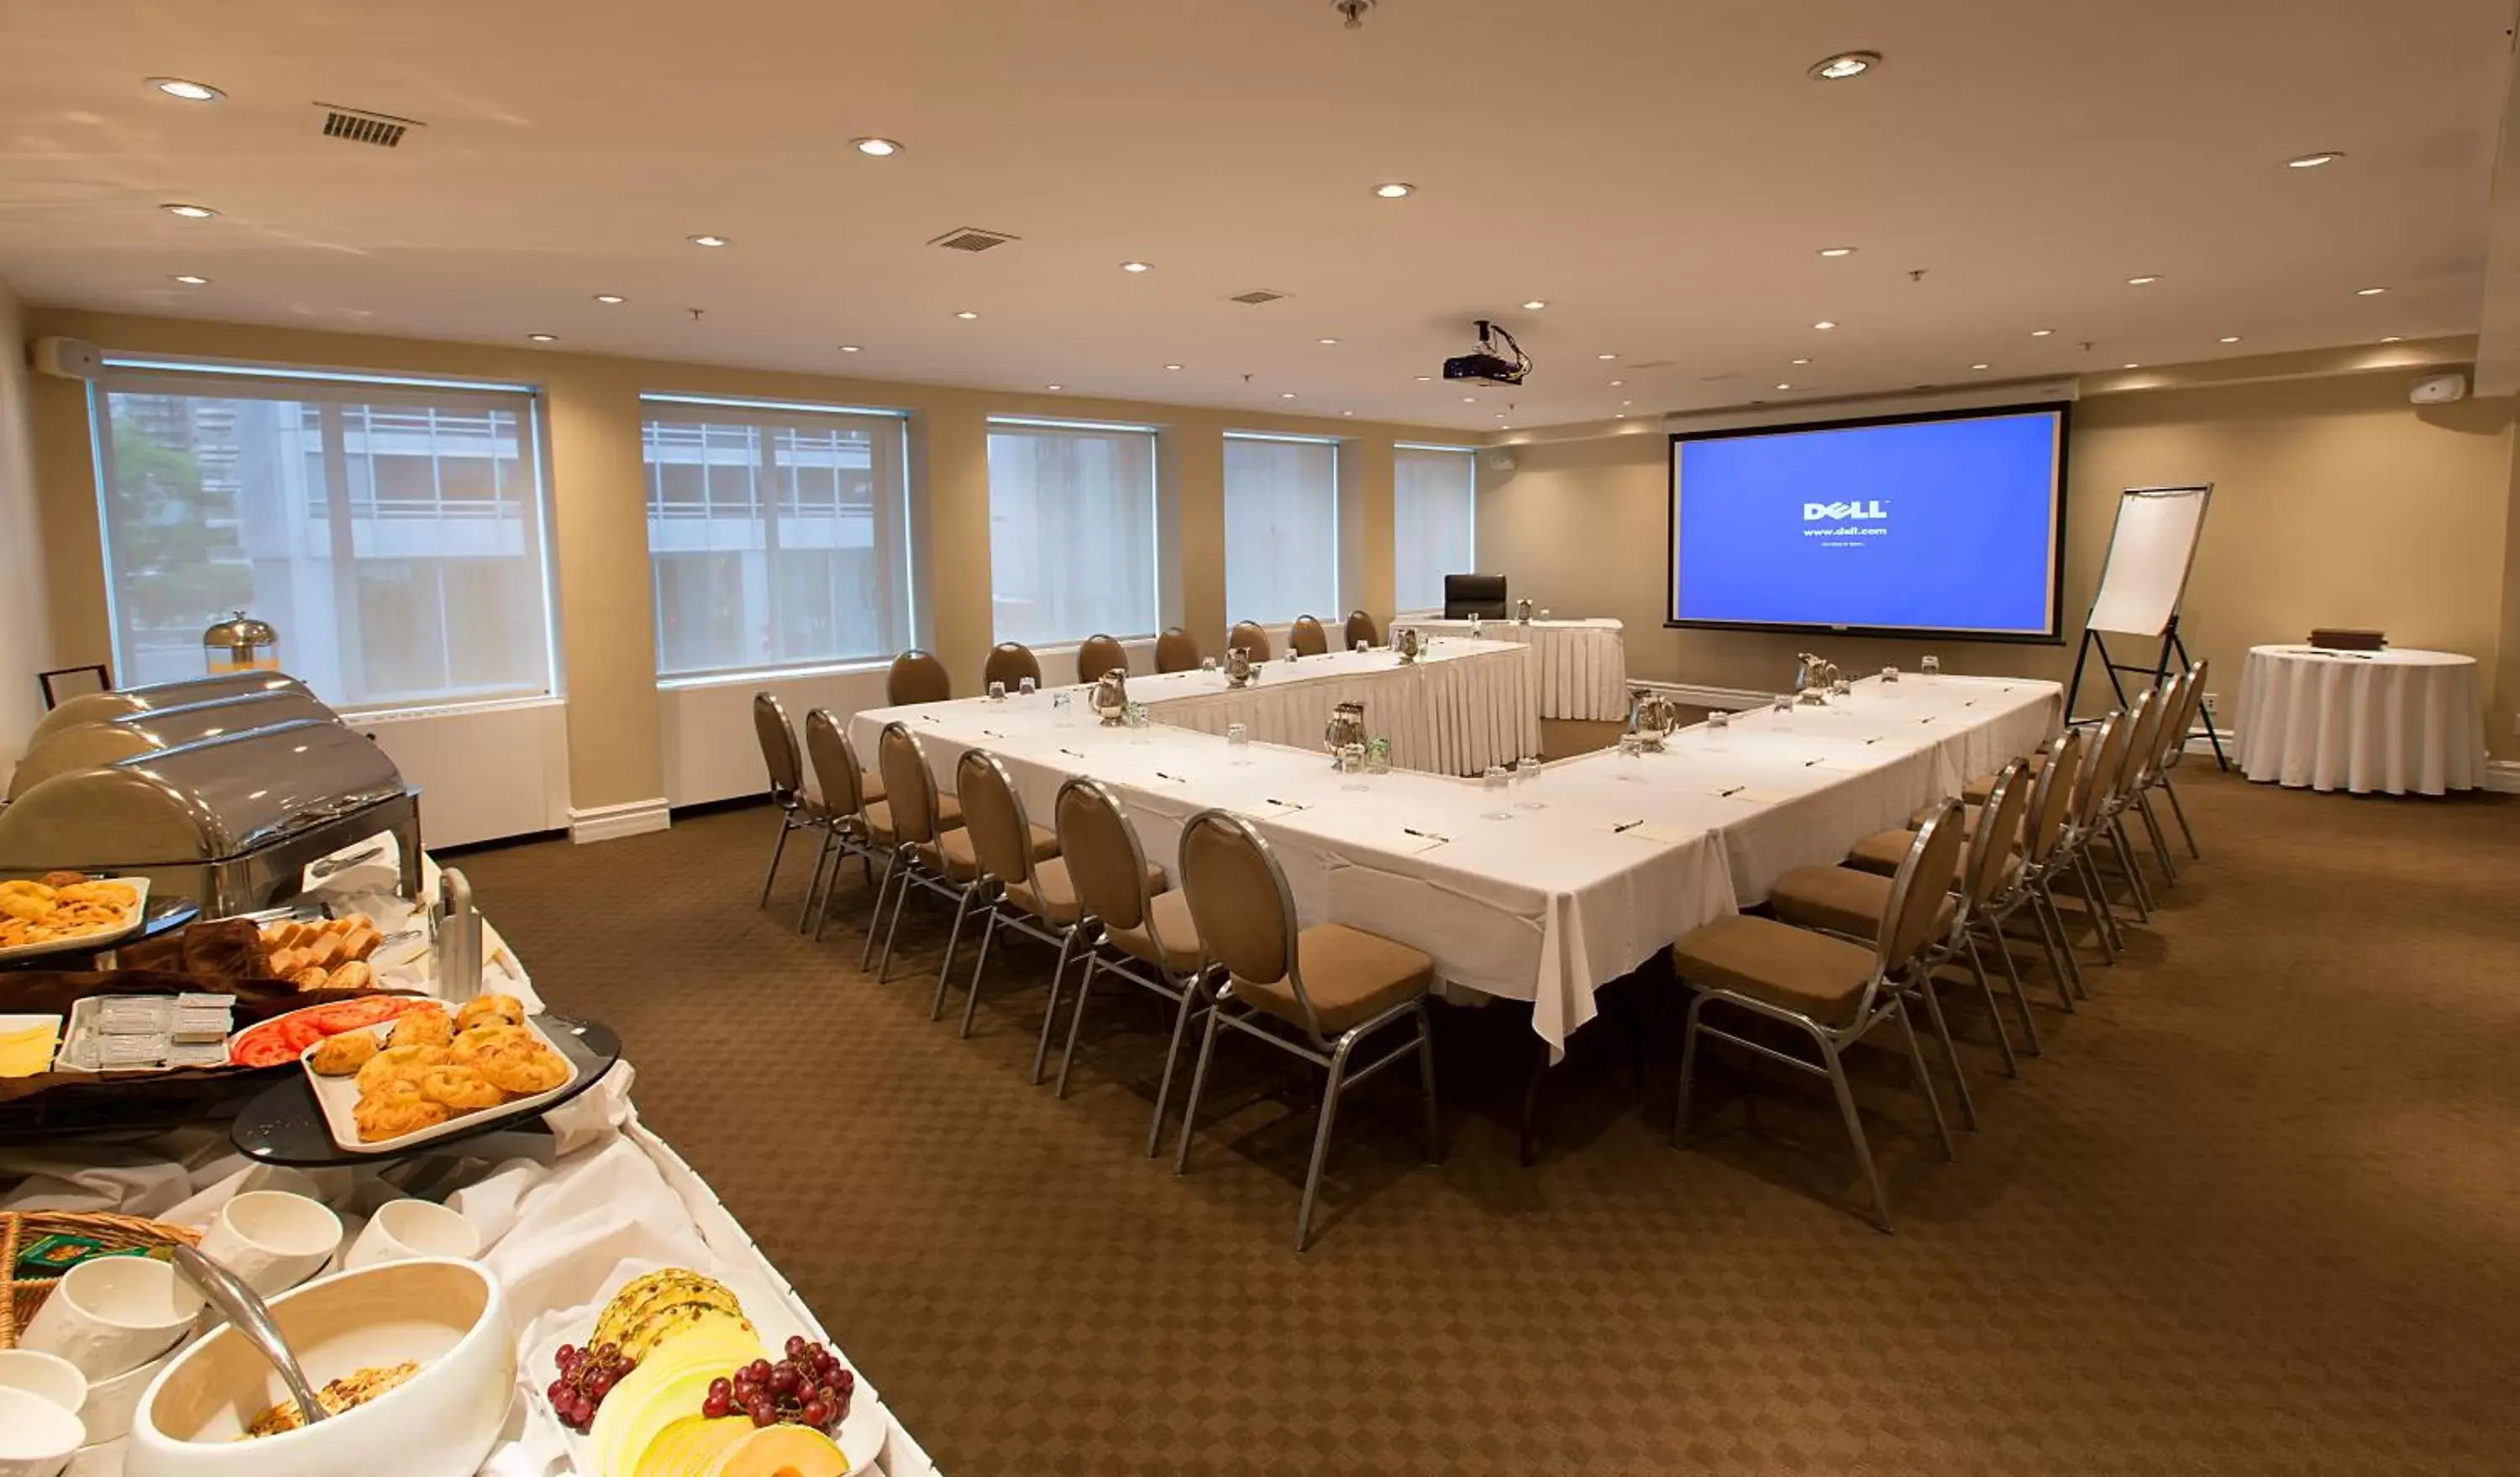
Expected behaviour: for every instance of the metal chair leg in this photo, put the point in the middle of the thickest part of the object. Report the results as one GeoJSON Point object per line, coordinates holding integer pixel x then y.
{"type": "Point", "coordinates": [1427, 1081]}
{"type": "Point", "coordinates": [1197, 1085]}
{"type": "Point", "coordinates": [1322, 1141]}
{"type": "Point", "coordinates": [892, 930]}
{"type": "Point", "coordinates": [1993, 1017]}
{"type": "Point", "coordinates": [1057, 981]}
{"type": "Point", "coordinates": [1687, 1071]}
{"type": "Point", "coordinates": [1924, 1081]}
{"type": "Point", "coordinates": [2020, 1000]}
{"type": "Point", "coordinates": [953, 941]}
{"type": "Point", "coordinates": [814, 880]}
{"type": "Point", "coordinates": [971, 996]}
{"type": "Point", "coordinates": [1951, 1053]}
{"type": "Point", "coordinates": [1845, 1092]}
{"type": "Point", "coordinates": [2181, 813]}
{"type": "Point", "coordinates": [777, 848]}
{"type": "Point", "coordinates": [1076, 1022]}
{"type": "Point", "coordinates": [2160, 838]}
{"type": "Point", "coordinates": [2123, 851]}
{"type": "Point", "coordinates": [831, 880]}
{"type": "Point", "coordinates": [2072, 973]}
{"type": "Point", "coordinates": [875, 919]}
{"type": "Point", "coordinates": [1192, 991]}
{"type": "Point", "coordinates": [2095, 897]}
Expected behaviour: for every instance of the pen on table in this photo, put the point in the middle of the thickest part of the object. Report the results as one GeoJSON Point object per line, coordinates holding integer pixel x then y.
{"type": "Point", "coordinates": [1729, 791]}
{"type": "Point", "coordinates": [1280, 804]}
{"type": "Point", "coordinates": [1425, 835]}
{"type": "Point", "coordinates": [1622, 827]}
{"type": "Point", "coordinates": [1175, 779]}
{"type": "Point", "coordinates": [1808, 763]}
{"type": "Point", "coordinates": [992, 734]}
{"type": "Point", "coordinates": [1071, 753]}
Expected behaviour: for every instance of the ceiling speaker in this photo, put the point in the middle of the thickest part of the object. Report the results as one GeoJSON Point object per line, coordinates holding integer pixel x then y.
{"type": "Point", "coordinates": [1500, 461]}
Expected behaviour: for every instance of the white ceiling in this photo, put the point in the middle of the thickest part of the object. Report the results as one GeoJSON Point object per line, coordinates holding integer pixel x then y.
{"type": "Point", "coordinates": [1661, 172]}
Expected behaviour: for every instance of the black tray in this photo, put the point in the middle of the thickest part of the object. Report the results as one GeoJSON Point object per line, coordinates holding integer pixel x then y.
{"type": "Point", "coordinates": [286, 1126]}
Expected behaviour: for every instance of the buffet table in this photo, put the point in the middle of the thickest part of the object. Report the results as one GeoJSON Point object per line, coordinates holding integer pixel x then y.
{"type": "Point", "coordinates": [1547, 888]}
{"type": "Point", "coordinates": [2395, 721]}
{"type": "Point", "coordinates": [1583, 663]}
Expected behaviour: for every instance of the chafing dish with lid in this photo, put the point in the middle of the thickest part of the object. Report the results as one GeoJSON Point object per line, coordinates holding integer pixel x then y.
{"type": "Point", "coordinates": [96, 707]}
{"type": "Point", "coordinates": [84, 746]}
{"type": "Point", "coordinates": [231, 822]}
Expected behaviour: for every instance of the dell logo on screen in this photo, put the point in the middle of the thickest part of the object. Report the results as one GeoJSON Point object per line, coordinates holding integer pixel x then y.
{"type": "Point", "coordinates": [1813, 513]}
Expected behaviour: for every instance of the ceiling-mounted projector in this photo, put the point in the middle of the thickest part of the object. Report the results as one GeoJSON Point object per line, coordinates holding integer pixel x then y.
{"type": "Point", "coordinates": [1486, 365]}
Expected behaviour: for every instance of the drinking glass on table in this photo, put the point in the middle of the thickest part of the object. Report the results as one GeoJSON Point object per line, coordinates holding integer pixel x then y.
{"type": "Point", "coordinates": [1026, 686]}
{"type": "Point", "coordinates": [1931, 666]}
{"type": "Point", "coordinates": [997, 692]}
{"type": "Point", "coordinates": [1783, 707]}
{"type": "Point", "coordinates": [1524, 772]}
{"type": "Point", "coordinates": [1493, 777]}
{"type": "Point", "coordinates": [1889, 674]}
{"type": "Point", "coordinates": [1363, 647]}
{"type": "Point", "coordinates": [1718, 723]}
{"type": "Point", "coordinates": [1237, 743]}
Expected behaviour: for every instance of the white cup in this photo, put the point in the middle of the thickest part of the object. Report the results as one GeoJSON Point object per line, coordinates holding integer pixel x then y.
{"type": "Point", "coordinates": [113, 1313]}
{"type": "Point", "coordinates": [49, 1376]}
{"type": "Point", "coordinates": [114, 1402]}
{"type": "Point", "coordinates": [272, 1238]}
{"type": "Point", "coordinates": [37, 1438]}
{"type": "Point", "coordinates": [402, 1229]}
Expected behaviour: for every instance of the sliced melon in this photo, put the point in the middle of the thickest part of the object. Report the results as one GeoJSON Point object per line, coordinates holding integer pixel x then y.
{"type": "Point", "coordinates": [667, 1385]}
{"type": "Point", "coordinates": [692, 1446]}
{"type": "Point", "coordinates": [666, 1321]}
{"type": "Point", "coordinates": [644, 1295]}
{"type": "Point", "coordinates": [784, 1452]}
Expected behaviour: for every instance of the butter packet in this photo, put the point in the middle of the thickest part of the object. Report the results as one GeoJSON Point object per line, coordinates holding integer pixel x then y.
{"type": "Point", "coordinates": [52, 1255]}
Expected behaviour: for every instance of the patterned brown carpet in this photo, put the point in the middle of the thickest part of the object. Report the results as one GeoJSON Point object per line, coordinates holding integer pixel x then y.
{"type": "Point", "coordinates": [2255, 1211]}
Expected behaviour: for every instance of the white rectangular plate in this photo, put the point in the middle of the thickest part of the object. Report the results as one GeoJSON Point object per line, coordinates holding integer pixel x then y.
{"type": "Point", "coordinates": [338, 1097]}
{"type": "Point", "coordinates": [96, 940]}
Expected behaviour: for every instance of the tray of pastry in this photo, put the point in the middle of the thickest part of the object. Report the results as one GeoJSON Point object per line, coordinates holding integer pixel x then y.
{"type": "Point", "coordinates": [68, 909]}
{"type": "Point", "coordinates": [433, 1073]}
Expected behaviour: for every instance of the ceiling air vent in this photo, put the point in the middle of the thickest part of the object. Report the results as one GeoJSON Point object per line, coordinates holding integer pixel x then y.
{"type": "Point", "coordinates": [1653, 364]}
{"type": "Point", "coordinates": [971, 239]}
{"type": "Point", "coordinates": [356, 126]}
{"type": "Point", "coordinates": [1256, 296]}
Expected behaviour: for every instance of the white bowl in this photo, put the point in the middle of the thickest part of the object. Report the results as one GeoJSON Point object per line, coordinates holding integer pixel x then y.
{"type": "Point", "coordinates": [447, 1315]}
{"type": "Point", "coordinates": [49, 1376]}
{"type": "Point", "coordinates": [272, 1238]}
{"type": "Point", "coordinates": [112, 1402]}
{"type": "Point", "coordinates": [113, 1313]}
{"type": "Point", "coordinates": [38, 1437]}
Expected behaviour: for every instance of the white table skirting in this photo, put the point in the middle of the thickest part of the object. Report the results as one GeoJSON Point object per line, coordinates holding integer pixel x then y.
{"type": "Point", "coordinates": [1528, 892]}
{"type": "Point", "coordinates": [1460, 707]}
{"type": "Point", "coordinates": [1583, 663]}
{"type": "Point", "coordinates": [2399, 722]}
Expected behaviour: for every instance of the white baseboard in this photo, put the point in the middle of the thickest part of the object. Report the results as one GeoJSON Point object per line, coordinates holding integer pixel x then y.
{"type": "Point", "coordinates": [610, 823]}
{"type": "Point", "coordinates": [1696, 694]}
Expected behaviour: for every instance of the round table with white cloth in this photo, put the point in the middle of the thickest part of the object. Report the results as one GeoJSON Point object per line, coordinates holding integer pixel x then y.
{"type": "Point", "coordinates": [2398, 722]}
{"type": "Point", "coordinates": [1583, 663]}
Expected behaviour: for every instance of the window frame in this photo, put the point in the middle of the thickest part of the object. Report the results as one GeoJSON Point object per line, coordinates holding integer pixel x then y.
{"type": "Point", "coordinates": [1153, 435]}
{"type": "Point", "coordinates": [1398, 449]}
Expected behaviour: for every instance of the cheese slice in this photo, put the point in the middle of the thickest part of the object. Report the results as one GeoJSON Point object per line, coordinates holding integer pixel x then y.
{"type": "Point", "coordinates": [26, 1044]}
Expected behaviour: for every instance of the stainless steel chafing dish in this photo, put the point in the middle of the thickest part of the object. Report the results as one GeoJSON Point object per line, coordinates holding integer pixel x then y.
{"type": "Point", "coordinates": [98, 707]}
{"type": "Point", "coordinates": [231, 820]}
{"type": "Point", "coordinates": [86, 745]}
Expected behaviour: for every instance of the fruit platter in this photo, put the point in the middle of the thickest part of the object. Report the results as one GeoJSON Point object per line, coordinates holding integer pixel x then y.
{"type": "Point", "coordinates": [673, 1380]}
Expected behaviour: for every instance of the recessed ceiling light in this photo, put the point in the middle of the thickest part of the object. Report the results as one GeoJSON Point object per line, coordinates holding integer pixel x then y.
{"type": "Point", "coordinates": [611, 300]}
{"type": "Point", "coordinates": [190, 212]}
{"type": "Point", "coordinates": [1782, 385]}
{"type": "Point", "coordinates": [882, 148]}
{"type": "Point", "coordinates": [1054, 386]}
{"type": "Point", "coordinates": [1824, 325]}
{"type": "Point", "coordinates": [1845, 65]}
{"type": "Point", "coordinates": [2230, 337]}
{"type": "Point", "coordinates": [849, 348]}
{"type": "Point", "coordinates": [2130, 366]}
{"type": "Point", "coordinates": [1977, 366]}
{"type": "Point", "coordinates": [1534, 305]}
{"type": "Point", "coordinates": [1347, 413]}
{"type": "Point", "coordinates": [189, 90]}
{"type": "Point", "coordinates": [1615, 383]}
{"type": "Point", "coordinates": [2141, 282]}
{"type": "Point", "coordinates": [2313, 161]}
{"type": "Point", "coordinates": [1500, 414]}
{"type": "Point", "coordinates": [1802, 361]}
{"type": "Point", "coordinates": [2368, 292]}
{"type": "Point", "coordinates": [1172, 366]}
{"type": "Point", "coordinates": [1422, 378]}
{"type": "Point", "coordinates": [1837, 250]}
{"type": "Point", "coordinates": [2040, 332]}
{"type": "Point", "coordinates": [1618, 417]}
{"type": "Point", "coordinates": [1136, 266]}
{"type": "Point", "coordinates": [1469, 399]}
{"type": "Point", "coordinates": [708, 241]}
{"type": "Point", "coordinates": [1605, 356]}
{"type": "Point", "coordinates": [191, 281]}
{"type": "Point", "coordinates": [967, 315]}
{"type": "Point", "coordinates": [1285, 394]}
{"type": "Point", "coordinates": [1328, 340]}
{"type": "Point", "coordinates": [544, 338]}
{"type": "Point", "coordinates": [1396, 189]}
{"type": "Point", "coordinates": [2391, 339]}
{"type": "Point", "coordinates": [1627, 402]}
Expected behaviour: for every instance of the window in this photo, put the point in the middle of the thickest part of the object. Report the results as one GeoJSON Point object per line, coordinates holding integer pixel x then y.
{"type": "Point", "coordinates": [777, 536]}
{"type": "Point", "coordinates": [1281, 528]}
{"type": "Point", "coordinates": [391, 532]}
{"type": "Point", "coordinates": [1435, 521]}
{"type": "Point", "coordinates": [1071, 531]}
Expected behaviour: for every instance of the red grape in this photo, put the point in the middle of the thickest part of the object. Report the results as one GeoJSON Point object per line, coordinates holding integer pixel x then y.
{"type": "Point", "coordinates": [716, 1406]}
{"type": "Point", "coordinates": [796, 1346]}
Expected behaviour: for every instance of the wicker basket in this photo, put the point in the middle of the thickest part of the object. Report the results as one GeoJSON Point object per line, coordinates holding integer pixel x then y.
{"type": "Point", "coordinates": [20, 1297]}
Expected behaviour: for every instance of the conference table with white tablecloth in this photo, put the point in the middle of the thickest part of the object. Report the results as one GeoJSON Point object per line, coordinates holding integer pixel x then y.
{"type": "Point", "coordinates": [2397, 721]}
{"type": "Point", "coordinates": [1543, 890]}
{"type": "Point", "coordinates": [1461, 706]}
{"type": "Point", "coordinates": [1583, 663]}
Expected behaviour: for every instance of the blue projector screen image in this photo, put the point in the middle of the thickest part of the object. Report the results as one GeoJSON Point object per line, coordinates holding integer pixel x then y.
{"type": "Point", "coordinates": [1928, 525]}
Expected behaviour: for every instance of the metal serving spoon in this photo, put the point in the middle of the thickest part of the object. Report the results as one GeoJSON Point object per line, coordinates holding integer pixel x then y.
{"type": "Point", "coordinates": [251, 1316]}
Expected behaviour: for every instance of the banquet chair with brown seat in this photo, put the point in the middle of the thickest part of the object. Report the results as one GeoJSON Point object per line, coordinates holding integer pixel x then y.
{"type": "Point", "coordinates": [798, 809]}
{"type": "Point", "coordinates": [2103, 750]}
{"type": "Point", "coordinates": [2174, 749]}
{"type": "Point", "coordinates": [1314, 992]}
{"type": "Point", "coordinates": [1306, 637]}
{"type": "Point", "coordinates": [1000, 859]}
{"type": "Point", "coordinates": [1009, 663]}
{"type": "Point", "coordinates": [2143, 730]}
{"type": "Point", "coordinates": [1832, 991]}
{"type": "Point", "coordinates": [1361, 628]}
{"type": "Point", "coordinates": [844, 790]}
{"type": "Point", "coordinates": [2169, 734]}
{"type": "Point", "coordinates": [916, 676]}
{"type": "Point", "coordinates": [1097, 655]}
{"type": "Point", "coordinates": [1145, 930]}
{"type": "Point", "coordinates": [1248, 637]}
{"type": "Point", "coordinates": [1176, 650]}
{"type": "Point", "coordinates": [905, 827]}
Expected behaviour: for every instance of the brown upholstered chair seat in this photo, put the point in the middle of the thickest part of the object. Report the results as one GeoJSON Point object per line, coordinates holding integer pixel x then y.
{"type": "Point", "coordinates": [1351, 976]}
{"type": "Point", "coordinates": [1051, 894]}
{"type": "Point", "coordinates": [1169, 912]}
{"type": "Point", "coordinates": [878, 815]}
{"type": "Point", "coordinates": [953, 853]}
{"type": "Point", "coordinates": [1841, 899]}
{"type": "Point", "coordinates": [1977, 790]}
{"type": "Point", "coordinates": [1779, 965]}
{"type": "Point", "coordinates": [871, 785]}
{"type": "Point", "coordinates": [1970, 815]}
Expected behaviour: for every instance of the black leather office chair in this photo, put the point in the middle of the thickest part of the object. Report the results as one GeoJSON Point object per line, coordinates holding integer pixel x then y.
{"type": "Point", "coordinates": [1479, 595]}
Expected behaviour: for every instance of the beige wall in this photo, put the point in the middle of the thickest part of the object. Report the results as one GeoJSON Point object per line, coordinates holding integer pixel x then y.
{"type": "Point", "coordinates": [25, 633]}
{"type": "Point", "coordinates": [599, 503]}
{"type": "Point", "coordinates": [2336, 503]}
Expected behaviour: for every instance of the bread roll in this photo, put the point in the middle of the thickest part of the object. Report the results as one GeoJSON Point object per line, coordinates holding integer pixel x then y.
{"type": "Point", "coordinates": [355, 975]}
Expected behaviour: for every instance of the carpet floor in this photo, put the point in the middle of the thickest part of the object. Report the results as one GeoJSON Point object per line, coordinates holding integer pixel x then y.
{"type": "Point", "coordinates": [2254, 1210]}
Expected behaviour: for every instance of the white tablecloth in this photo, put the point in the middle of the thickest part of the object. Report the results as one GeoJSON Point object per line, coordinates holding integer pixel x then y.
{"type": "Point", "coordinates": [2399, 720]}
{"type": "Point", "coordinates": [1583, 663]}
{"type": "Point", "coordinates": [1528, 893]}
